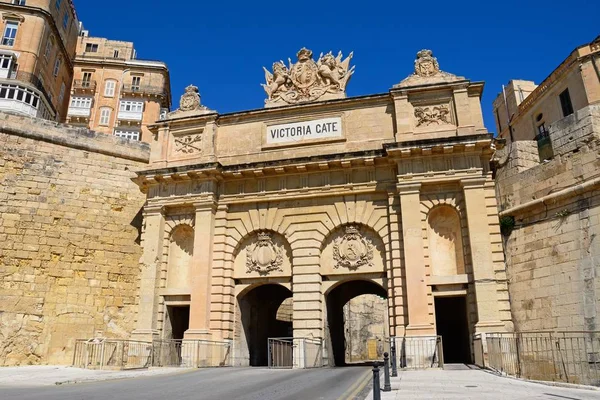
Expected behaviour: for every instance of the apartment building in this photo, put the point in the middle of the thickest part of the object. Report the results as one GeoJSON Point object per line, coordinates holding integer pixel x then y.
{"type": "Point", "coordinates": [114, 92]}
{"type": "Point", "coordinates": [37, 49]}
{"type": "Point", "coordinates": [526, 111]}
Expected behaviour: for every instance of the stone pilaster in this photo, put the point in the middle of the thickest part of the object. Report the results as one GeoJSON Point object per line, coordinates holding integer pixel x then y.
{"type": "Point", "coordinates": [395, 274]}
{"type": "Point", "coordinates": [488, 306]}
{"type": "Point", "coordinates": [152, 244]}
{"type": "Point", "coordinates": [463, 112]}
{"type": "Point", "coordinates": [420, 322]}
{"type": "Point", "coordinates": [222, 296]}
{"type": "Point", "coordinates": [307, 297]}
{"type": "Point", "coordinates": [201, 270]}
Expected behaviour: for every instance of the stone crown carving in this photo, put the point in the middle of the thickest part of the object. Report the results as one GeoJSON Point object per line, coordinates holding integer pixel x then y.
{"type": "Point", "coordinates": [190, 103]}
{"type": "Point", "coordinates": [307, 80]}
{"type": "Point", "coordinates": [427, 71]}
{"type": "Point", "coordinates": [352, 250]}
{"type": "Point", "coordinates": [264, 256]}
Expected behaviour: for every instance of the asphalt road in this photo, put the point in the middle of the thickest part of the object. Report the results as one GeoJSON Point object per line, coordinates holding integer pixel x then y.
{"type": "Point", "coordinates": [213, 384]}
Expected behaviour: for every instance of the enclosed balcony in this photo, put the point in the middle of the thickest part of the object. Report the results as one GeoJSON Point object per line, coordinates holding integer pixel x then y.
{"type": "Point", "coordinates": [80, 107]}
{"type": "Point", "coordinates": [130, 110]}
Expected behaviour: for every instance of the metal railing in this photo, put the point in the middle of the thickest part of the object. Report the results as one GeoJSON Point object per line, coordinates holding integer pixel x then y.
{"type": "Point", "coordinates": [144, 89]}
{"type": "Point", "coordinates": [112, 354]}
{"type": "Point", "coordinates": [295, 353]}
{"type": "Point", "coordinates": [571, 357]}
{"type": "Point", "coordinates": [419, 352]}
{"type": "Point", "coordinates": [191, 353]}
{"type": "Point", "coordinates": [81, 84]}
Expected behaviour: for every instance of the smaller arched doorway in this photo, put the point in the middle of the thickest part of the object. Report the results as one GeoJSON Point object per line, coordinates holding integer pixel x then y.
{"type": "Point", "coordinates": [265, 312]}
{"type": "Point", "coordinates": [339, 318]}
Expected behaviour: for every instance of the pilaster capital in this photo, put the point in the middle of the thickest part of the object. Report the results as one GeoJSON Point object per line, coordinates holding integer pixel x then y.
{"type": "Point", "coordinates": [405, 188]}
{"type": "Point", "coordinates": [205, 205]}
{"type": "Point", "coordinates": [473, 183]}
{"type": "Point", "coordinates": [153, 209]}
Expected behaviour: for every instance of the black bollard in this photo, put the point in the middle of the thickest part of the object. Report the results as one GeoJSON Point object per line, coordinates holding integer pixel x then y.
{"type": "Point", "coordinates": [394, 365]}
{"type": "Point", "coordinates": [376, 389]}
{"type": "Point", "coordinates": [386, 373]}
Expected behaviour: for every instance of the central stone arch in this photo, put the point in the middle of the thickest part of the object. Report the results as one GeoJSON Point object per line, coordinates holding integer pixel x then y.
{"type": "Point", "coordinates": [353, 266]}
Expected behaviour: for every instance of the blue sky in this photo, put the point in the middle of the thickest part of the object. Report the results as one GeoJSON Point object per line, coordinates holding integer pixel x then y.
{"type": "Point", "coordinates": [221, 46]}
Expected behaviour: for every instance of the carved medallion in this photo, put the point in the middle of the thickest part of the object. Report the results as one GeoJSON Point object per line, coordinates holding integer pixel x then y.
{"type": "Point", "coordinates": [188, 144]}
{"type": "Point", "coordinates": [264, 256]}
{"type": "Point", "coordinates": [307, 80]}
{"type": "Point", "coordinates": [434, 114]}
{"type": "Point", "coordinates": [353, 250]}
{"type": "Point", "coordinates": [190, 100]}
{"type": "Point", "coordinates": [426, 64]}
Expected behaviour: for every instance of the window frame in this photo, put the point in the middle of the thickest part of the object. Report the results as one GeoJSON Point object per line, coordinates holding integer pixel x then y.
{"type": "Point", "coordinates": [566, 104]}
{"type": "Point", "coordinates": [57, 4]}
{"type": "Point", "coordinates": [57, 65]}
{"type": "Point", "coordinates": [128, 134]}
{"type": "Point", "coordinates": [104, 120]}
{"type": "Point", "coordinates": [110, 93]}
{"type": "Point", "coordinates": [10, 40]}
{"type": "Point", "coordinates": [81, 102]}
{"type": "Point", "coordinates": [133, 106]}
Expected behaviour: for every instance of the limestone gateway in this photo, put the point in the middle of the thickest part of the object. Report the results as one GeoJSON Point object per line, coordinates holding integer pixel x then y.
{"type": "Point", "coordinates": [317, 199]}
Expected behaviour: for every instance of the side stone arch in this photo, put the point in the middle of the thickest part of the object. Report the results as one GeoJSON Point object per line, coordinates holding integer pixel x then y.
{"type": "Point", "coordinates": [180, 228]}
{"type": "Point", "coordinates": [444, 233]}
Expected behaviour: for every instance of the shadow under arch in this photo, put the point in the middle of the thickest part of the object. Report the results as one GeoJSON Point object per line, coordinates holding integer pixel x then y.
{"type": "Point", "coordinates": [335, 298]}
{"type": "Point", "coordinates": [259, 319]}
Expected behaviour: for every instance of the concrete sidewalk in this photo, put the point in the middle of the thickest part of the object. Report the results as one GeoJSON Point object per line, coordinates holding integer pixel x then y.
{"type": "Point", "coordinates": [59, 375]}
{"type": "Point", "coordinates": [474, 384]}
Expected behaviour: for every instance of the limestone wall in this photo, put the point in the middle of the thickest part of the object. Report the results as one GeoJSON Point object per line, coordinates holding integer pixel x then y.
{"type": "Point", "coordinates": [552, 252]}
{"type": "Point", "coordinates": [69, 226]}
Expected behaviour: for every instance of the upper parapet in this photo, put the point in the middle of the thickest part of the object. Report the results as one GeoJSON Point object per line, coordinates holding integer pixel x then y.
{"type": "Point", "coordinates": [307, 80]}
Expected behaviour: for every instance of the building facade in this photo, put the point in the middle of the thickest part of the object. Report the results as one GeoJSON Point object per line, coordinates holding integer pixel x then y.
{"type": "Point", "coordinates": [36, 57]}
{"type": "Point", "coordinates": [547, 189]}
{"type": "Point", "coordinates": [525, 111]}
{"type": "Point", "coordinates": [114, 92]}
{"type": "Point", "coordinates": [321, 198]}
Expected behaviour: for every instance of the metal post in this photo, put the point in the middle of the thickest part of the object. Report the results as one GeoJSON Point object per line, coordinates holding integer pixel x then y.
{"type": "Point", "coordinates": [376, 389]}
{"type": "Point", "coordinates": [394, 365]}
{"type": "Point", "coordinates": [386, 373]}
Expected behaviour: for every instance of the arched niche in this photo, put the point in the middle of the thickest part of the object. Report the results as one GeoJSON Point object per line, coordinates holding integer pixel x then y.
{"type": "Point", "coordinates": [445, 242]}
{"type": "Point", "coordinates": [263, 254]}
{"type": "Point", "coordinates": [352, 248]}
{"type": "Point", "coordinates": [181, 250]}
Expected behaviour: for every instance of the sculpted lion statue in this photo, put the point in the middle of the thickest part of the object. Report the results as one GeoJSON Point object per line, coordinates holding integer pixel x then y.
{"type": "Point", "coordinates": [276, 80]}
{"type": "Point", "coordinates": [329, 71]}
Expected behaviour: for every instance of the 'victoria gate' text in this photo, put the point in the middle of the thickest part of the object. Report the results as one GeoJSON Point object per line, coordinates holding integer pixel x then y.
{"type": "Point", "coordinates": [295, 132]}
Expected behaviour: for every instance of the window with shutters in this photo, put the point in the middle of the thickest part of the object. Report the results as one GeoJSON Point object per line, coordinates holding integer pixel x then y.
{"type": "Point", "coordinates": [105, 116]}
{"type": "Point", "coordinates": [109, 88]}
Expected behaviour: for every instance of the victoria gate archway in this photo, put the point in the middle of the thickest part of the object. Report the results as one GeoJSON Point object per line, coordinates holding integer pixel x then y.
{"type": "Point", "coordinates": [264, 313]}
{"type": "Point", "coordinates": [367, 324]}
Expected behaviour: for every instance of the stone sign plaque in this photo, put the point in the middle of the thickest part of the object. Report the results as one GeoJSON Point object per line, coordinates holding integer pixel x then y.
{"type": "Point", "coordinates": [299, 132]}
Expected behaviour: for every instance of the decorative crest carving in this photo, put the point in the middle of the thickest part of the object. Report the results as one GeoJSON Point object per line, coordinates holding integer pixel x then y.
{"type": "Point", "coordinates": [353, 250]}
{"type": "Point", "coordinates": [188, 144]}
{"type": "Point", "coordinates": [264, 256]}
{"type": "Point", "coordinates": [434, 114]}
{"type": "Point", "coordinates": [190, 100]}
{"type": "Point", "coordinates": [426, 64]}
{"type": "Point", "coordinates": [307, 80]}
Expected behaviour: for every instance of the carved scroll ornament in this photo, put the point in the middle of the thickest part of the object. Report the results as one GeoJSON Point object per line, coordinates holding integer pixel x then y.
{"type": "Point", "coordinates": [432, 115]}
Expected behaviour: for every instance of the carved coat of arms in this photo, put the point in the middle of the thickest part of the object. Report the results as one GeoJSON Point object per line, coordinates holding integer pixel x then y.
{"type": "Point", "coordinates": [190, 100]}
{"type": "Point", "coordinates": [352, 250]}
{"type": "Point", "coordinates": [426, 64]}
{"type": "Point", "coordinates": [434, 114]}
{"type": "Point", "coordinates": [264, 256]}
{"type": "Point", "coordinates": [307, 80]}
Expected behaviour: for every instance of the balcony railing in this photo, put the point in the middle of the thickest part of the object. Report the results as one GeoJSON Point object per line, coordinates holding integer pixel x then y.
{"type": "Point", "coordinates": [144, 90]}
{"type": "Point", "coordinates": [79, 112]}
{"type": "Point", "coordinates": [80, 84]}
{"type": "Point", "coordinates": [130, 115]}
